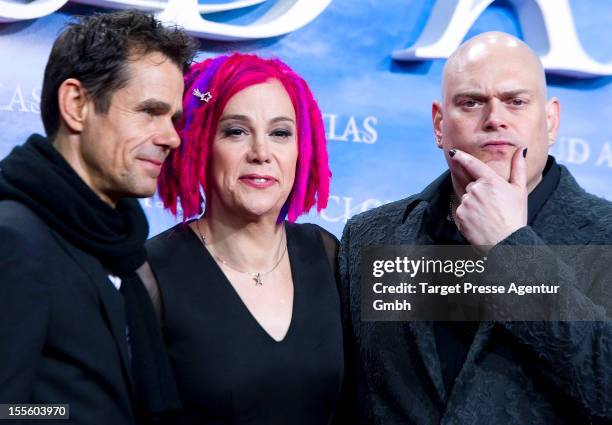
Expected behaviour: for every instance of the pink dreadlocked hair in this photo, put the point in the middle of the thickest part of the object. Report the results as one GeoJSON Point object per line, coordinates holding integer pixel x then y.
{"type": "Point", "coordinates": [185, 170]}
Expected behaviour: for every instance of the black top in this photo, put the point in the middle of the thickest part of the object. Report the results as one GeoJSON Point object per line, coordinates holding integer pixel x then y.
{"type": "Point", "coordinates": [456, 337]}
{"type": "Point", "coordinates": [229, 370]}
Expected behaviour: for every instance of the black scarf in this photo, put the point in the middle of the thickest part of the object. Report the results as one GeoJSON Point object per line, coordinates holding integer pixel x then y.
{"type": "Point", "coordinates": [36, 175]}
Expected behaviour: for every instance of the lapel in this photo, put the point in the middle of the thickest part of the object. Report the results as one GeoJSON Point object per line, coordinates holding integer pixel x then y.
{"type": "Point", "coordinates": [565, 209]}
{"type": "Point", "coordinates": [112, 303]}
{"type": "Point", "coordinates": [480, 339]}
{"type": "Point", "coordinates": [485, 329]}
{"type": "Point", "coordinates": [426, 345]}
{"type": "Point", "coordinates": [410, 233]}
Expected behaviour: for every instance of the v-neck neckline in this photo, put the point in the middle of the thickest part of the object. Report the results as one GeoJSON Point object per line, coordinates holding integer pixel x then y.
{"type": "Point", "coordinates": [222, 279]}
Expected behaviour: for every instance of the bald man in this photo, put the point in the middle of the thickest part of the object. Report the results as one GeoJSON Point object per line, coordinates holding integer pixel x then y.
{"type": "Point", "coordinates": [494, 112]}
{"type": "Point", "coordinates": [494, 125]}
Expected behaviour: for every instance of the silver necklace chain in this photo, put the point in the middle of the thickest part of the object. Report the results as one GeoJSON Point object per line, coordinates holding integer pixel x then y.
{"type": "Point", "coordinates": [450, 208]}
{"type": "Point", "coordinates": [256, 276]}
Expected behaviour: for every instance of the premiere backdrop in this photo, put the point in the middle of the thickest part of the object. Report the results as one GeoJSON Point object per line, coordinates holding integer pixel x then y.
{"type": "Point", "coordinates": [375, 91]}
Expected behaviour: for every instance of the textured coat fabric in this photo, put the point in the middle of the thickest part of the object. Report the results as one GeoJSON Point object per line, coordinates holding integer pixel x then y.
{"type": "Point", "coordinates": [63, 327]}
{"type": "Point", "coordinates": [515, 372]}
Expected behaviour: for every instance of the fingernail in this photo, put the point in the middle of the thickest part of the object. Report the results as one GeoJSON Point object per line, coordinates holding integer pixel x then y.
{"type": "Point", "coordinates": [452, 152]}
{"type": "Point", "coordinates": [525, 153]}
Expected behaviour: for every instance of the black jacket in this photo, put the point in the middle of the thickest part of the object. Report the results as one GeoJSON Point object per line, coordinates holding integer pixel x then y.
{"type": "Point", "coordinates": [515, 372]}
{"type": "Point", "coordinates": [62, 326]}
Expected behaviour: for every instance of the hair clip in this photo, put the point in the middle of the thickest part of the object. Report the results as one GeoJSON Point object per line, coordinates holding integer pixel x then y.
{"type": "Point", "coordinates": [202, 96]}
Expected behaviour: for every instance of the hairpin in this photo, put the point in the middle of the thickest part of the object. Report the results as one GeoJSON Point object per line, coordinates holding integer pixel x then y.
{"type": "Point", "coordinates": [202, 96]}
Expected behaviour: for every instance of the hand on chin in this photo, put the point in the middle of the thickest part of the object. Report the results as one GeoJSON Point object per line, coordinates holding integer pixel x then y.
{"type": "Point", "coordinates": [491, 206]}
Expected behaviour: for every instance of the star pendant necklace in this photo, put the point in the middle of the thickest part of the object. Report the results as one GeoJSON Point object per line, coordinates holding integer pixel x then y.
{"type": "Point", "coordinates": [256, 276]}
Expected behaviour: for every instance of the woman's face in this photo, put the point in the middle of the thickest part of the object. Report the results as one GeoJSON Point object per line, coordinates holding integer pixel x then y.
{"type": "Point", "coordinates": [254, 153]}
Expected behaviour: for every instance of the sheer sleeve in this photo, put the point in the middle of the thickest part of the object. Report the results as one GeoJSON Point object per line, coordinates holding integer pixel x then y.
{"type": "Point", "coordinates": [331, 244]}
{"type": "Point", "coordinates": [150, 283]}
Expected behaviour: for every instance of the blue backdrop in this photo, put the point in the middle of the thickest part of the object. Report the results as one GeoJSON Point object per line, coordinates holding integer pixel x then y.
{"type": "Point", "coordinates": [376, 110]}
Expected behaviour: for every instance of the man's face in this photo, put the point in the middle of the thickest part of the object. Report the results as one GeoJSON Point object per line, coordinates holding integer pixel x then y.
{"type": "Point", "coordinates": [122, 150]}
{"type": "Point", "coordinates": [494, 103]}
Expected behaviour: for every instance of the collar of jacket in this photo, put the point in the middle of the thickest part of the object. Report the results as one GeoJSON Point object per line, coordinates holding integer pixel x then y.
{"type": "Point", "coordinates": [429, 194]}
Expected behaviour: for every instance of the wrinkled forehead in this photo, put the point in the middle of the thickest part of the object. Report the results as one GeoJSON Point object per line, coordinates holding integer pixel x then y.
{"type": "Point", "coordinates": [490, 67]}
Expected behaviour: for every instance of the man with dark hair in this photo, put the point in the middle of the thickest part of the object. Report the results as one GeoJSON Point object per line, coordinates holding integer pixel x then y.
{"type": "Point", "coordinates": [77, 324]}
{"type": "Point", "coordinates": [502, 189]}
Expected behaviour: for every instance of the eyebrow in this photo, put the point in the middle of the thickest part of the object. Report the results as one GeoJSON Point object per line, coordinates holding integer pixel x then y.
{"type": "Point", "coordinates": [515, 93]}
{"type": "Point", "coordinates": [160, 107]}
{"type": "Point", "coordinates": [470, 94]}
{"type": "Point", "coordinates": [245, 118]}
{"type": "Point", "coordinates": [279, 119]}
{"type": "Point", "coordinates": [481, 96]}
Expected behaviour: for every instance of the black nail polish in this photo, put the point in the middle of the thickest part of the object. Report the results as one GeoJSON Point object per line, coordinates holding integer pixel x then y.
{"type": "Point", "coordinates": [525, 153]}
{"type": "Point", "coordinates": [452, 152]}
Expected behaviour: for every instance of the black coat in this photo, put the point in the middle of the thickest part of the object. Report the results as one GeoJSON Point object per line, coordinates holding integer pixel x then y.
{"type": "Point", "coordinates": [515, 372]}
{"type": "Point", "coordinates": [62, 325]}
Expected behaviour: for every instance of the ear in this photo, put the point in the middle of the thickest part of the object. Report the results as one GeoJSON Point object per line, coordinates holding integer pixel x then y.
{"type": "Point", "coordinates": [553, 117]}
{"type": "Point", "coordinates": [73, 104]}
{"type": "Point", "coordinates": [436, 118]}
